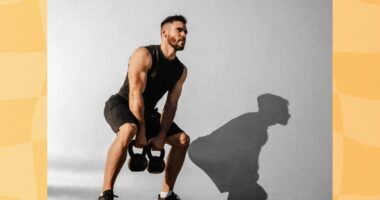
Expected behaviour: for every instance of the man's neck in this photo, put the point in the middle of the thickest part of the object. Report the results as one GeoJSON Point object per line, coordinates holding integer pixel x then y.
{"type": "Point", "coordinates": [168, 51]}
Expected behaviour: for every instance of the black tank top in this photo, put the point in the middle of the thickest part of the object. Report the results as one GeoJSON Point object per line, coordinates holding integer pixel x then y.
{"type": "Point", "coordinates": [161, 77]}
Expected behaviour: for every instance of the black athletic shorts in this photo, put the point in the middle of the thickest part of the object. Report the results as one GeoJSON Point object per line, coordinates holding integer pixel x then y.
{"type": "Point", "coordinates": [117, 113]}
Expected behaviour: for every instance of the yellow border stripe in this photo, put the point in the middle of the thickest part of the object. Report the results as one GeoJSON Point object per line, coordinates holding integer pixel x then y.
{"type": "Point", "coordinates": [23, 100]}
{"type": "Point", "coordinates": [356, 99]}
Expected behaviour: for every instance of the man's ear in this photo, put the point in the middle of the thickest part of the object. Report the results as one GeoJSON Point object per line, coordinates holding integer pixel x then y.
{"type": "Point", "coordinates": [163, 33]}
{"type": "Point", "coordinates": [165, 30]}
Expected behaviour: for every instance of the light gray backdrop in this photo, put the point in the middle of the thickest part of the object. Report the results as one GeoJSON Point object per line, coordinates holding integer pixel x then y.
{"type": "Point", "coordinates": [236, 51]}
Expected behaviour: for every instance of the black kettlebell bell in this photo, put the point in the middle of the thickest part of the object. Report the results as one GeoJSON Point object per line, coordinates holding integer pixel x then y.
{"type": "Point", "coordinates": [156, 163]}
{"type": "Point", "coordinates": [137, 162]}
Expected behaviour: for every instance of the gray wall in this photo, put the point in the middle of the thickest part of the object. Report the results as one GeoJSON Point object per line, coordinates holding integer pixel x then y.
{"type": "Point", "coordinates": [236, 51]}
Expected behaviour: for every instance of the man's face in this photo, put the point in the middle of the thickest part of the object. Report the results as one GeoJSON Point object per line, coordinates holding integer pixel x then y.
{"type": "Point", "coordinates": [176, 35]}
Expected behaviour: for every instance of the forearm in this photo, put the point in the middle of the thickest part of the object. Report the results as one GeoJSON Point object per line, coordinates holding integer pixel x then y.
{"type": "Point", "coordinates": [167, 118]}
{"type": "Point", "coordinates": [136, 105]}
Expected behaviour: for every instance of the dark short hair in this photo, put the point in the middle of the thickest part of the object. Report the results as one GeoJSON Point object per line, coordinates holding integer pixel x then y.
{"type": "Point", "coordinates": [173, 18]}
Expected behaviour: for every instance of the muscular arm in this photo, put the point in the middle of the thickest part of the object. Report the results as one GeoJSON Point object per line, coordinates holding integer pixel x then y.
{"type": "Point", "coordinates": [170, 107]}
{"type": "Point", "coordinates": [139, 65]}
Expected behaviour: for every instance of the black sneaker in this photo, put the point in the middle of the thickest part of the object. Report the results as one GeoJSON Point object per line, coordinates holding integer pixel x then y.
{"type": "Point", "coordinates": [173, 196]}
{"type": "Point", "coordinates": [107, 195]}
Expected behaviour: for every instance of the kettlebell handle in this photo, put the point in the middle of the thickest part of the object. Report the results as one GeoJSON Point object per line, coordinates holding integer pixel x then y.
{"type": "Point", "coordinates": [130, 149]}
{"type": "Point", "coordinates": [149, 152]}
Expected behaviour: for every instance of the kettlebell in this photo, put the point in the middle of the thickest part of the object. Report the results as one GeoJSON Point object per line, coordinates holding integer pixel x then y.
{"type": "Point", "coordinates": [156, 163]}
{"type": "Point", "coordinates": [137, 162]}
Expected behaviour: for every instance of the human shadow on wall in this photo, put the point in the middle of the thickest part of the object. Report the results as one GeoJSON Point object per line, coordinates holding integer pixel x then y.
{"type": "Point", "coordinates": [230, 154]}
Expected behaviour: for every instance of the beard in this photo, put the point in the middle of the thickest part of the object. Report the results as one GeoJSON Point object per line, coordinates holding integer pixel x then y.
{"type": "Point", "coordinates": [176, 44]}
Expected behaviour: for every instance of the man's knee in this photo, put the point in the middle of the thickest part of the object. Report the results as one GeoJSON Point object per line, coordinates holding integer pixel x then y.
{"type": "Point", "coordinates": [184, 141]}
{"type": "Point", "coordinates": [126, 132]}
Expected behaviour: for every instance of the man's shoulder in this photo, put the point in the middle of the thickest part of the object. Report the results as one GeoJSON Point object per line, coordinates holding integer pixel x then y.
{"type": "Point", "coordinates": [141, 52]}
{"type": "Point", "coordinates": [151, 50]}
{"type": "Point", "coordinates": [151, 47]}
{"type": "Point", "coordinates": [148, 50]}
{"type": "Point", "coordinates": [142, 55]}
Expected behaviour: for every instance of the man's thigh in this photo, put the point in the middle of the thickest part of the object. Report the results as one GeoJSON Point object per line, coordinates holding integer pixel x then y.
{"type": "Point", "coordinates": [117, 113]}
{"type": "Point", "coordinates": [153, 126]}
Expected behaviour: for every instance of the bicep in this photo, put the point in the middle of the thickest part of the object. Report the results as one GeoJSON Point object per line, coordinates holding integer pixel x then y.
{"type": "Point", "coordinates": [137, 70]}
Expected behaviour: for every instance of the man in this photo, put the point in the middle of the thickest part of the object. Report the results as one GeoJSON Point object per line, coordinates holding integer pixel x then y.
{"type": "Point", "coordinates": [152, 71]}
